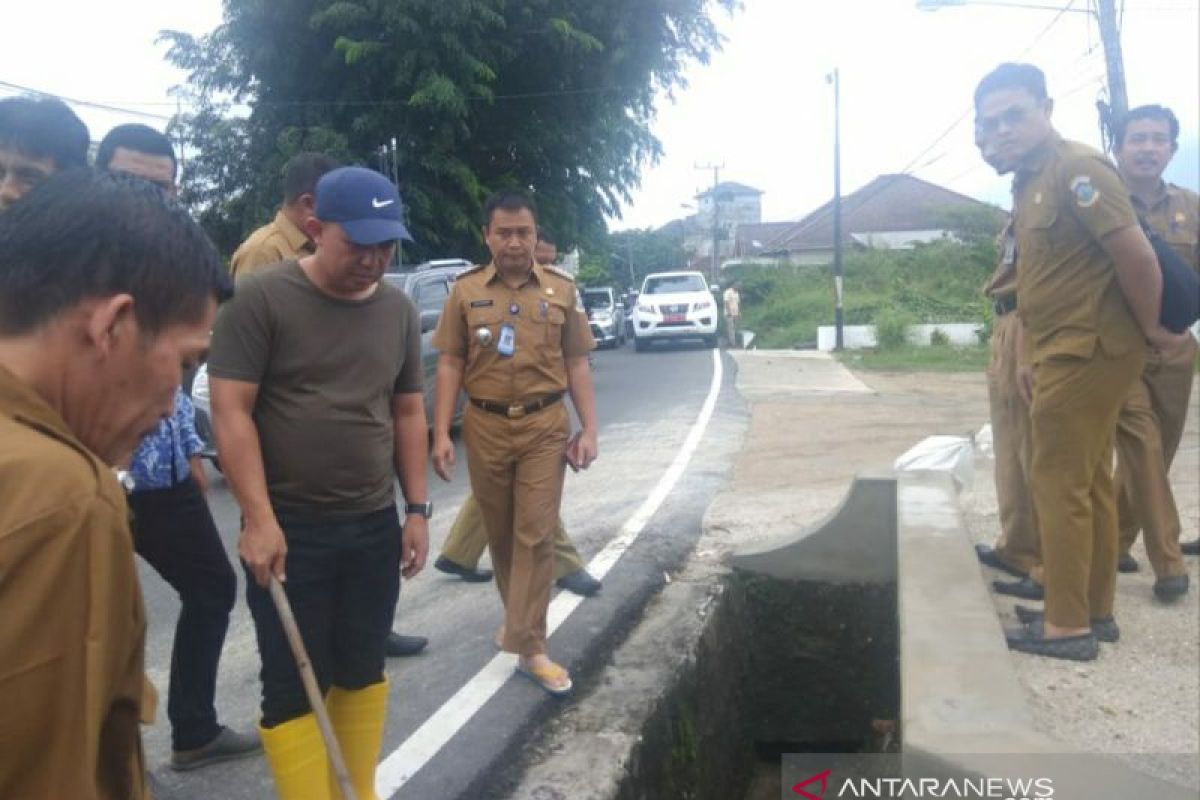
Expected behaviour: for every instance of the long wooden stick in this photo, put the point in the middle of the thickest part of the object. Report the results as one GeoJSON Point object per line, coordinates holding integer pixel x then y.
{"type": "Point", "coordinates": [311, 688]}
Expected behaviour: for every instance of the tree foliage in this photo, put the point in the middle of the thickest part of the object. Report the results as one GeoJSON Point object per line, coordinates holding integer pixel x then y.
{"type": "Point", "coordinates": [649, 250]}
{"type": "Point", "coordinates": [556, 96]}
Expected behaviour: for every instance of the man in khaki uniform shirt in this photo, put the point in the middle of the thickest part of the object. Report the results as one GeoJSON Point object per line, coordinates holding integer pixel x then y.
{"type": "Point", "coordinates": [1017, 550]}
{"type": "Point", "coordinates": [468, 536]}
{"type": "Point", "coordinates": [96, 318]}
{"type": "Point", "coordinates": [1152, 420]}
{"type": "Point", "coordinates": [283, 238]}
{"type": "Point", "coordinates": [1088, 290]}
{"type": "Point", "coordinates": [511, 336]}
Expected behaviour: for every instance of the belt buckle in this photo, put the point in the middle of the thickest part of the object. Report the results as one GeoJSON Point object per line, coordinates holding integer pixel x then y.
{"type": "Point", "coordinates": [516, 411]}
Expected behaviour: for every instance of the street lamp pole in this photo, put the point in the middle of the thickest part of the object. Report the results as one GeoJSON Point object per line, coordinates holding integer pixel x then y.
{"type": "Point", "coordinates": [838, 321]}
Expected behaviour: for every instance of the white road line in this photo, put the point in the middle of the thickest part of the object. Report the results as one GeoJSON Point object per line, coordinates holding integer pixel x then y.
{"type": "Point", "coordinates": [417, 750]}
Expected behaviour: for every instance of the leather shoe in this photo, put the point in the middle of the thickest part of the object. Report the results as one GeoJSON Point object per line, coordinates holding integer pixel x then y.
{"type": "Point", "coordinates": [469, 575]}
{"type": "Point", "coordinates": [399, 646]}
{"type": "Point", "coordinates": [1026, 588]}
{"type": "Point", "coordinates": [990, 558]}
{"type": "Point", "coordinates": [1127, 563]}
{"type": "Point", "coordinates": [1191, 548]}
{"type": "Point", "coordinates": [1105, 628]}
{"type": "Point", "coordinates": [225, 746]}
{"type": "Point", "coordinates": [1083, 647]}
{"type": "Point", "coordinates": [1171, 588]}
{"type": "Point", "coordinates": [580, 582]}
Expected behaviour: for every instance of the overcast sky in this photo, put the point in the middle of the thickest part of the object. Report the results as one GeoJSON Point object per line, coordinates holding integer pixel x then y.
{"type": "Point", "coordinates": [761, 107]}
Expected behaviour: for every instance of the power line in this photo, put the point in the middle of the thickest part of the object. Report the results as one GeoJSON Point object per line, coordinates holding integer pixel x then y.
{"type": "Point", "coordinates": [84, 103]}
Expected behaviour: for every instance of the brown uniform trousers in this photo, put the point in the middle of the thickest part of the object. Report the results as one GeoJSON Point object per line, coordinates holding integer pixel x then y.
{"type": "Point", "coordinates": [1152, 420]}
{"type": "Point", "coordinates": [1012, 443]}
{"type": "Point", "coordinates": [1148, 434]}
{"type": "Point", "coordinates": [517, 469]}
{"type": "Point", "coordinates": [468, 539]}
{"type": "Point", "coordinates": [516, 463]}
{"type": "Point", "coordinates": [1087, 351]}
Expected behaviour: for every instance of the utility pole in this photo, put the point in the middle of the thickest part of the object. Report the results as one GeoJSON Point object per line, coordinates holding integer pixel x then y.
{"type": "Point", "coordinates": [629, 250]}
{"type": "Point", "coordinates": [838, 321]}
{"type": "Point", "coordinates": [1118, 98]}
{"type": "Point", "coordinates": [716, 217]}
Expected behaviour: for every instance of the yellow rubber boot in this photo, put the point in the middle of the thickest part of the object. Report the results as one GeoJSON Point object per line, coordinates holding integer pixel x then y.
{"type": "Point", "coordinates": [357, 718]}
{"type": "Point", "coordinates": [296, 755]}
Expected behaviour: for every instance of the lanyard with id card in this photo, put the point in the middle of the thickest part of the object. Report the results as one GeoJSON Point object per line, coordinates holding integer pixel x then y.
{"type": "Point", "coordinates": [507, 345]}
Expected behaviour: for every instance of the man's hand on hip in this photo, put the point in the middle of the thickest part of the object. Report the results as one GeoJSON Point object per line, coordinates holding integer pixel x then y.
{"type": "Point", "coordinates": [264, 550]}
{"type": "Point", "coordinates": [414, 545]}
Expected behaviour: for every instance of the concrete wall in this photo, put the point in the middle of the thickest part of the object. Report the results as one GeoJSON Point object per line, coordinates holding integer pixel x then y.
{"type": "Point", "coordinates": [858, 337]}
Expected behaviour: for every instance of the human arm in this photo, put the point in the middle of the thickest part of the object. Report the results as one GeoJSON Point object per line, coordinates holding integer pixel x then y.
{"type": "Point", "coordinates": [584, 447]}
{"type": "Point", "coordinates": [445, 397]}
{"type": "Point", "coordinates": [190, 440]}
{"type": "Point", "coordinates": [1024, 368]}
{"type": "Point", "coordinates": [261, 544]}
{"type": "Point", "coordinates": [411, 431]}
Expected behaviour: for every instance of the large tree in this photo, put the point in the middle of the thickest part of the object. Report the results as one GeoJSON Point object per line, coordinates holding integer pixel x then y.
{"type": "Point", "coordinates": [552, 95]}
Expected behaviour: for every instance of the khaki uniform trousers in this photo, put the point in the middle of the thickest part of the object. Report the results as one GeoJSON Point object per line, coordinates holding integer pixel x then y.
{"type": "Point", "coordinates": [1012, 444]}
{"type": "Point", "coordinates": [468, 539]}
{"type": "Point", "coordinates": [517, 468]}
{"type": "Point", "coordinates": [1148, 434]}
{"type": "Point", "coordinates": [1075, 406]}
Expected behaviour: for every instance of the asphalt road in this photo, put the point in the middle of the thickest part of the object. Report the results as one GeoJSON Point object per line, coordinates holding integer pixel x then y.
{"type": "Point", "coordinates": [648, 404]}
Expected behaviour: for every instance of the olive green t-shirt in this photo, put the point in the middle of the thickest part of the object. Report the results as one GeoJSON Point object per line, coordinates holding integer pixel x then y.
{"type": "Point", "coordinates": [327, 372]}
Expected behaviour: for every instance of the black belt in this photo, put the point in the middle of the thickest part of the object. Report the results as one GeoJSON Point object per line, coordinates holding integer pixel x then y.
{"type": "Point", "coordinates": [1004, 305]}
{"type": "Point", "coordinates": [516, 410]}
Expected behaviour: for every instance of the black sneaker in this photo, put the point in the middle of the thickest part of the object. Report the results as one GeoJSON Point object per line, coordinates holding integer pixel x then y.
{"type": "Point", "coordinates": [1105, 628]}
{"type": "Point", "coordinates": [1083, 647]}
{"type": "Point", "coordinates": [469, 575]}
{"type": "Point", "coordinates": [580, 582]}
{"type": "Point", "coordinates": [227, 746]}
{"type": "Point", "coordinates": [1026, 589]}
{"type": "Point", "coordinates": [1127, 563]}
{"type": "Point", "coordinates": [1172, 588]}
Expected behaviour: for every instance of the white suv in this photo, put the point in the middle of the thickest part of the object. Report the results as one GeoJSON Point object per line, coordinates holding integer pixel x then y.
{"type": "Point", "coordinates": [674, 305]}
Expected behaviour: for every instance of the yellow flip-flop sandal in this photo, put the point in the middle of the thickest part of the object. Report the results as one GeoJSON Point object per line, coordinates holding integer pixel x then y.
{"type": "Point", "coordinates": [549, 677]}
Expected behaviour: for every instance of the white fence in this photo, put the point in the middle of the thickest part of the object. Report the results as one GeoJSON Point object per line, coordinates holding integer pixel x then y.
{"type": "Point", "coordinates": [858, 337]}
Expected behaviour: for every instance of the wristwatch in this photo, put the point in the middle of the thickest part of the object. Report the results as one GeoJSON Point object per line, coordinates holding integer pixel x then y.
{"type": "Point", "coordinates": [424, 509]}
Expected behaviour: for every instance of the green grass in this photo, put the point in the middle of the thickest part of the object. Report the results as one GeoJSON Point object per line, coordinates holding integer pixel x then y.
{"type": "Point", "coordinates": [911, 358]}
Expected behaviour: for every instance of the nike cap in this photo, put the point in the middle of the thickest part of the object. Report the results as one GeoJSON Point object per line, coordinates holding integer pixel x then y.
{"type": "Point", "coordinates": [364, 203]}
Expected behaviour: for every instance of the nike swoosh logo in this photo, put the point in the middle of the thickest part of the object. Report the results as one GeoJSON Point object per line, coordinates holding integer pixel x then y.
{"type": "Point", "coordinates": [381, 204]}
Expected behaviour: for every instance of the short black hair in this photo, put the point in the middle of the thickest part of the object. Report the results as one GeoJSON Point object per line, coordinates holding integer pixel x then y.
{"type": "Point", "coordinates": [87, 233]}
{"type": "Point", "coordinates": [546, 235]}
{"type": "Point", "coordinates": [509, 200]}
{"type": "Point", "coordinates": [44, 127]}
{"type": "Point", "coordinates": [1012, 76]}
{"type": "Point", "coordinates": [1161, 113]}
{"type": "Point", "coordinates": [301, 173]}
{"type": "Point", "coordinates": [139, 138]}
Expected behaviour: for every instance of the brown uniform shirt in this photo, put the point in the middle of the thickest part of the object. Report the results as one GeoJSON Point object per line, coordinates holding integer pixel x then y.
{"type": "Point", "coordinates": [1066, 198]}
{"type": "Point", "coordinates": [72, 624]}
{"type": "Point", "coordinates": [327, 372]}
{"type": "Point", "coordinates": [278, 240]}
{"type": "Point", "coordinates": [547, 327]}
{"type": "Point", "coordinates": [1175, 216]}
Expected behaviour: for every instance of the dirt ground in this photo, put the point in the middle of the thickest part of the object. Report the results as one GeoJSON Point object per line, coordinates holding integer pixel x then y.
{"type": "Point", "coordinates": [1141, 699]}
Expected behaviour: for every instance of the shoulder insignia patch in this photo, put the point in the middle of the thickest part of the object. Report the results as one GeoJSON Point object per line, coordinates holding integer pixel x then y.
{"type": "Point", "coordinates": [560, 273]}
{"type": "Point", "coordinates": [1086, 195]}
{"type": "Point", "coordinates": [469, 271]}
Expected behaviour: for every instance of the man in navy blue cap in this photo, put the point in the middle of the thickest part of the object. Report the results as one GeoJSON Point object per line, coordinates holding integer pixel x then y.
{"type": "Point", "coordinates": [317, 406]}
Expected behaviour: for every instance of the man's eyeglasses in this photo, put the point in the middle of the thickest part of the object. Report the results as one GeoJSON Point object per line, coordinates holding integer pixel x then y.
{"type": "Point", "coordinates": [1010, 117]}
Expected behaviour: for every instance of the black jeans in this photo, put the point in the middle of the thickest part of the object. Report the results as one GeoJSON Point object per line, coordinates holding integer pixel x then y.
{"type": "Point", "coordinates": [343, 580]}
{"type": "Point", "coordinates": [174, 531]}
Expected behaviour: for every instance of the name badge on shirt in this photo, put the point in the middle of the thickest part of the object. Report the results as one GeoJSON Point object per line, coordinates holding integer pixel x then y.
{"type": "Point", "coordinates": [508, 340]}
